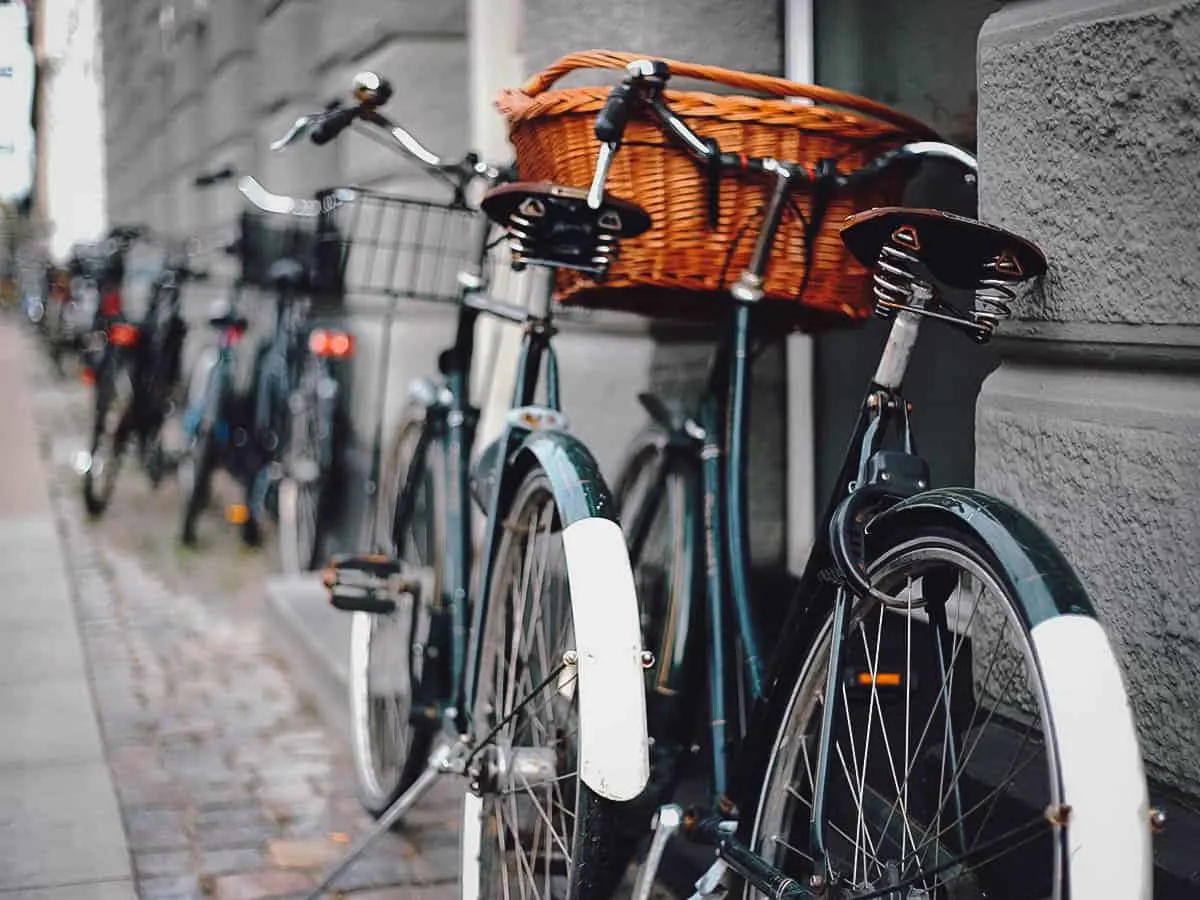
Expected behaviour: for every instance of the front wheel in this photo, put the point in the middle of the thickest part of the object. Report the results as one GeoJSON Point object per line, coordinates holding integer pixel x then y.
{"type": "Point", "coordinates": [390, 746]}
{"type": "Point", "coordinates": [947, 774]}
{"type": "Point", "coordinates": [535, 828]}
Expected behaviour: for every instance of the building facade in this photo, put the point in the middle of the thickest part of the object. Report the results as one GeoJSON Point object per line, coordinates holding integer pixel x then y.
{"type": "Point", "coordinates": [1086, 412]}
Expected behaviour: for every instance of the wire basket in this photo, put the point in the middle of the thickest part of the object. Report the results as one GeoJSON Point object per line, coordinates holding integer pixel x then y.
{"type": "Point", "coordinates": [381, 245]}
{"type": "Point", "coordinates": [264, 239]}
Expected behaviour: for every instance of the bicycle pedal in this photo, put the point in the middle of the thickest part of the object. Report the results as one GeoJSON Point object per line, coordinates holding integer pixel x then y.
{"type": "Point", "coordinates": [370, 584]}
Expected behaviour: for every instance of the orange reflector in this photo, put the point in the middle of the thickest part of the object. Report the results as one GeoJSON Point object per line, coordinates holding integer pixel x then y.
{"type": "Point", "coordinates": [237, 513]}
{"type": "Point", "coordinates": [883, 679]}
{"type": "Point", "coordinates": [122, 334]}
{"type": "Point", "coordinates": [331, 344]}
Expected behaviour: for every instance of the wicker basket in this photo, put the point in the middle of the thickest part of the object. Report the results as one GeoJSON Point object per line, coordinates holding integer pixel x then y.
{"type": "Point", "coordinates": [682, 264]}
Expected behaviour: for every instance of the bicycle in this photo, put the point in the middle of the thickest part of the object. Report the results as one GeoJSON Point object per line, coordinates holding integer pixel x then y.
{"type": "Point", "coordinates": [137, 385]}
{"type": "Point", "coordinates": [296, 389]}
{"type": "Point", "coordinates": [458, 694]}
{"type": "Point", "coordinates": [826, 795]}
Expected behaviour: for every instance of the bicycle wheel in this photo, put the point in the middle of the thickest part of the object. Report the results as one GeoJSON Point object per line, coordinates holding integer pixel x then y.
{"type": "Point", "coordinates": [195, 468]}
{"type": "Point", "coordinates": [305, 463]}
{"type": "Point", "coordinates": [110, 432]}
{"type": "Point", "coordinates": [540, 831]}
{"type": "Point", "coordinates": [946, 776]}
{"type": "Point", "coordinates": [389, 749]}
{"type": "Point", "coordinates": [664, 569]}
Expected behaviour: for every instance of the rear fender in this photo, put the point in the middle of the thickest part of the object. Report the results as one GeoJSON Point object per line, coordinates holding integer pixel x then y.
{"type": "Point", "coordinates": [1039, 575]}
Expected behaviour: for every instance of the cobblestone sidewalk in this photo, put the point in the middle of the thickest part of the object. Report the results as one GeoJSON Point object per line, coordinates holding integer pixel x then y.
{"type": "Point", "coordinates": [230, 786]}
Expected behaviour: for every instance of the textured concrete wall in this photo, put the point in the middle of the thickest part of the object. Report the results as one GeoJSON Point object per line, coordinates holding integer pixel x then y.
{"type": "Point", "coordinates": [1088, 145]}
{"type": "Point", "coordinates": [232, 75]}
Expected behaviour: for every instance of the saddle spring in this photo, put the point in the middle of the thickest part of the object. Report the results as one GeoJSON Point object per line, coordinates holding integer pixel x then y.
{"type": "Point", "coordinates": [533, 241]}
{"type": "Point", "coordinates": [892, 285]}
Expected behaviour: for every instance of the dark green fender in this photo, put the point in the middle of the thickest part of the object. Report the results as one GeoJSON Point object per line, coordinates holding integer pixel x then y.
{"type": "Point", "coordinates": [579, 488]}
{"type": "Point", "coordinates": [1036, 571]}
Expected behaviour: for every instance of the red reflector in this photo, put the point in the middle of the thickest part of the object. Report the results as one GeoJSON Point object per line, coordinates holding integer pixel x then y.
{"type": "Point", "coordinates": [234, 334]}
{"type": "Point", "coordinates": [88, 377]}
{"type": "Point", "coordinates": [122, 334]}
{"type": "Point", "coordinates": [110, 305]}
{"type": "Point", "coordinates": [331, 344]}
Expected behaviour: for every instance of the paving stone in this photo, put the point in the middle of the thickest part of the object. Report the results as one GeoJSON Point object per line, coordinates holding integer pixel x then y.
{"type": "Point", "coordinates": [182, 887]}
{"type": "Point", "coordinates": [231, 861]}
{"type": "Point", "coordinates": [176, 863]}
{"type": "Point", "coordinates": [313, 853]}
{"type": "Point", "coordinates": [260, 885]}
{"type": "Point", "coordinates": [229, 783]}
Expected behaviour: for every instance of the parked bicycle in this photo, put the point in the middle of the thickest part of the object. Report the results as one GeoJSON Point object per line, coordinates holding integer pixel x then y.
{"type": "Point", "coordinates": [85, 297]}
{"type": "Point", "coordinates": [296, 385]}
{"type": "Point", "coordinates": [927, 724]}
{"type": "Point", "coordinates": [137, 385]}
{"type": "Point", "coordinates": [532, 686]}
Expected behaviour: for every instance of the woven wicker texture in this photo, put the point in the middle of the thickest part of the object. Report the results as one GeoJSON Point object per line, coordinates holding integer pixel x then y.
{"type": "Point", "coordinates": [678, 266]}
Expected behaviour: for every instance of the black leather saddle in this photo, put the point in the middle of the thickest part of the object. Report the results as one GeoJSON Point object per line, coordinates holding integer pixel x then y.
{"type": "Point", "coordinates": [957, 251]}
{"type": "Point", "coordinates": [552, 225]}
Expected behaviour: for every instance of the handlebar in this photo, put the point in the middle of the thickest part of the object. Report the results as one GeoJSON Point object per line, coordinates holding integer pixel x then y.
{"type": "Point", "coordinates": [208, 179]}
{"type": "Point", "coordinates": [370, 92]}
{"type": "Point", "coordinates": [643, 88]}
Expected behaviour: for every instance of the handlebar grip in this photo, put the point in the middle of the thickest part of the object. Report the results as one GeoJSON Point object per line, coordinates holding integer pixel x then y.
{"type": "Point", "coordinates": [611, 121]}
{"type": "Point", "coordinates": [334, 124]}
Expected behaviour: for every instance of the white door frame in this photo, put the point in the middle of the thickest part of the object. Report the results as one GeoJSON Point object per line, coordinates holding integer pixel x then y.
{"type": "Point", "coordinates": [799, 63]}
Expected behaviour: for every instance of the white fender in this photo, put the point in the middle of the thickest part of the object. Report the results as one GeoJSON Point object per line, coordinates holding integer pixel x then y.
{"type": "Point", "coordinates": [1104, 784]}
{"type": "Point", "coordinates": [613, 740]}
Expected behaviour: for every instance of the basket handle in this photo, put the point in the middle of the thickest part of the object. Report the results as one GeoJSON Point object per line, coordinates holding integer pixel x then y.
{"type": "Point", "coordinates": [747, 81]}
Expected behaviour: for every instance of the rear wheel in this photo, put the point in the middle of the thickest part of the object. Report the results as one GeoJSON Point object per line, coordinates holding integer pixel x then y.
{"type": "Point", "coordinates": [538, 829]}
{"type": "Point", "coordinates": [389, 748]}
{"type": "Point", "coordinates": [110, 433]}
{"type": "Point", "coordinates": [199, 457]}
{"type": "Point", "coordinates": [945, 769]}
{"type": "Point", "coordinates": [303, 499]}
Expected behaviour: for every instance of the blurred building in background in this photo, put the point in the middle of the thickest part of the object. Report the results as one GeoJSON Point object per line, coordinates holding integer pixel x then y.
{"type": "Point", "coordinates": [1099, 376]}
{"type": "Point", "coordinates": [71, 185]}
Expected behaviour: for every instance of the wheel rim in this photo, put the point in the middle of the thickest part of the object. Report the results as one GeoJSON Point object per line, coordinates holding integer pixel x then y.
{"type": "Point", "coordinates": [904, 802]}
{"type": "Point", "coordinates": [384, 736]}
{"type": "Point", "coordinates": [106, 458]}
{"type": "Point", "coordinates": [528, 773]}
{"type": "Point", "coordinates": [381, 703]}
{"type": "Point", "coordinates": [299, 513]}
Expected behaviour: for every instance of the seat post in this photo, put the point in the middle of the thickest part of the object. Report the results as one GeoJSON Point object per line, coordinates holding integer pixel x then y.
{"type": "Point", "coordinates": [893, 363]}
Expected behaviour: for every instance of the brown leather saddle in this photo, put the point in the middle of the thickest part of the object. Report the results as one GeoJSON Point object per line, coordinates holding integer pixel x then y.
{"type": "Point", "coordinates": [959, 252]}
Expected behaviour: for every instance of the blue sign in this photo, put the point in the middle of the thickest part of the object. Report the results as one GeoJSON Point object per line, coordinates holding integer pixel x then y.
{"type": "Point", "coordinates": [17, 76]}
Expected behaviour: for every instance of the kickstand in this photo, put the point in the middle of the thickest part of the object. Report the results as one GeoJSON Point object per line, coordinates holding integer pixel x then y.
{"type": "Point", "coordinates": [439, 761]}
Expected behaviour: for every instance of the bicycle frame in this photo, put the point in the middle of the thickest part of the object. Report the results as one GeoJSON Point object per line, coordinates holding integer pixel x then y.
{"type": "Point", "coordinates": [450, 430]}
{"type": "Point", "coordinates": [719, 523]}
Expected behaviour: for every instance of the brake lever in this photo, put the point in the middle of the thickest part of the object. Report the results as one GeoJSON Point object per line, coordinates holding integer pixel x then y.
{"type": "Point", "coordinates": [300, 128]}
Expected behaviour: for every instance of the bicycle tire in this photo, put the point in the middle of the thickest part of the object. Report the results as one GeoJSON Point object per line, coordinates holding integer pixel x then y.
{"type": "Point", "coordinates": [595, 864]}
{"type": "Point", "coordinates": [306, 498]}
{"type": "Point", "coordinates": [114, 399]}
{"type": "Point", "coordinates": [195, 468]}
{"type": "Point", "coordinates": [1099, 704]}
{"type": "Point", "coordinates": [665, 577]}
{"type": "Point", "coordinates": [379, 782]}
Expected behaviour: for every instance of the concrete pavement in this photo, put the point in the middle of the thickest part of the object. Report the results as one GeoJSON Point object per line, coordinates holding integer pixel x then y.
{"type": "Point", "coordinates": [61, 835]}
